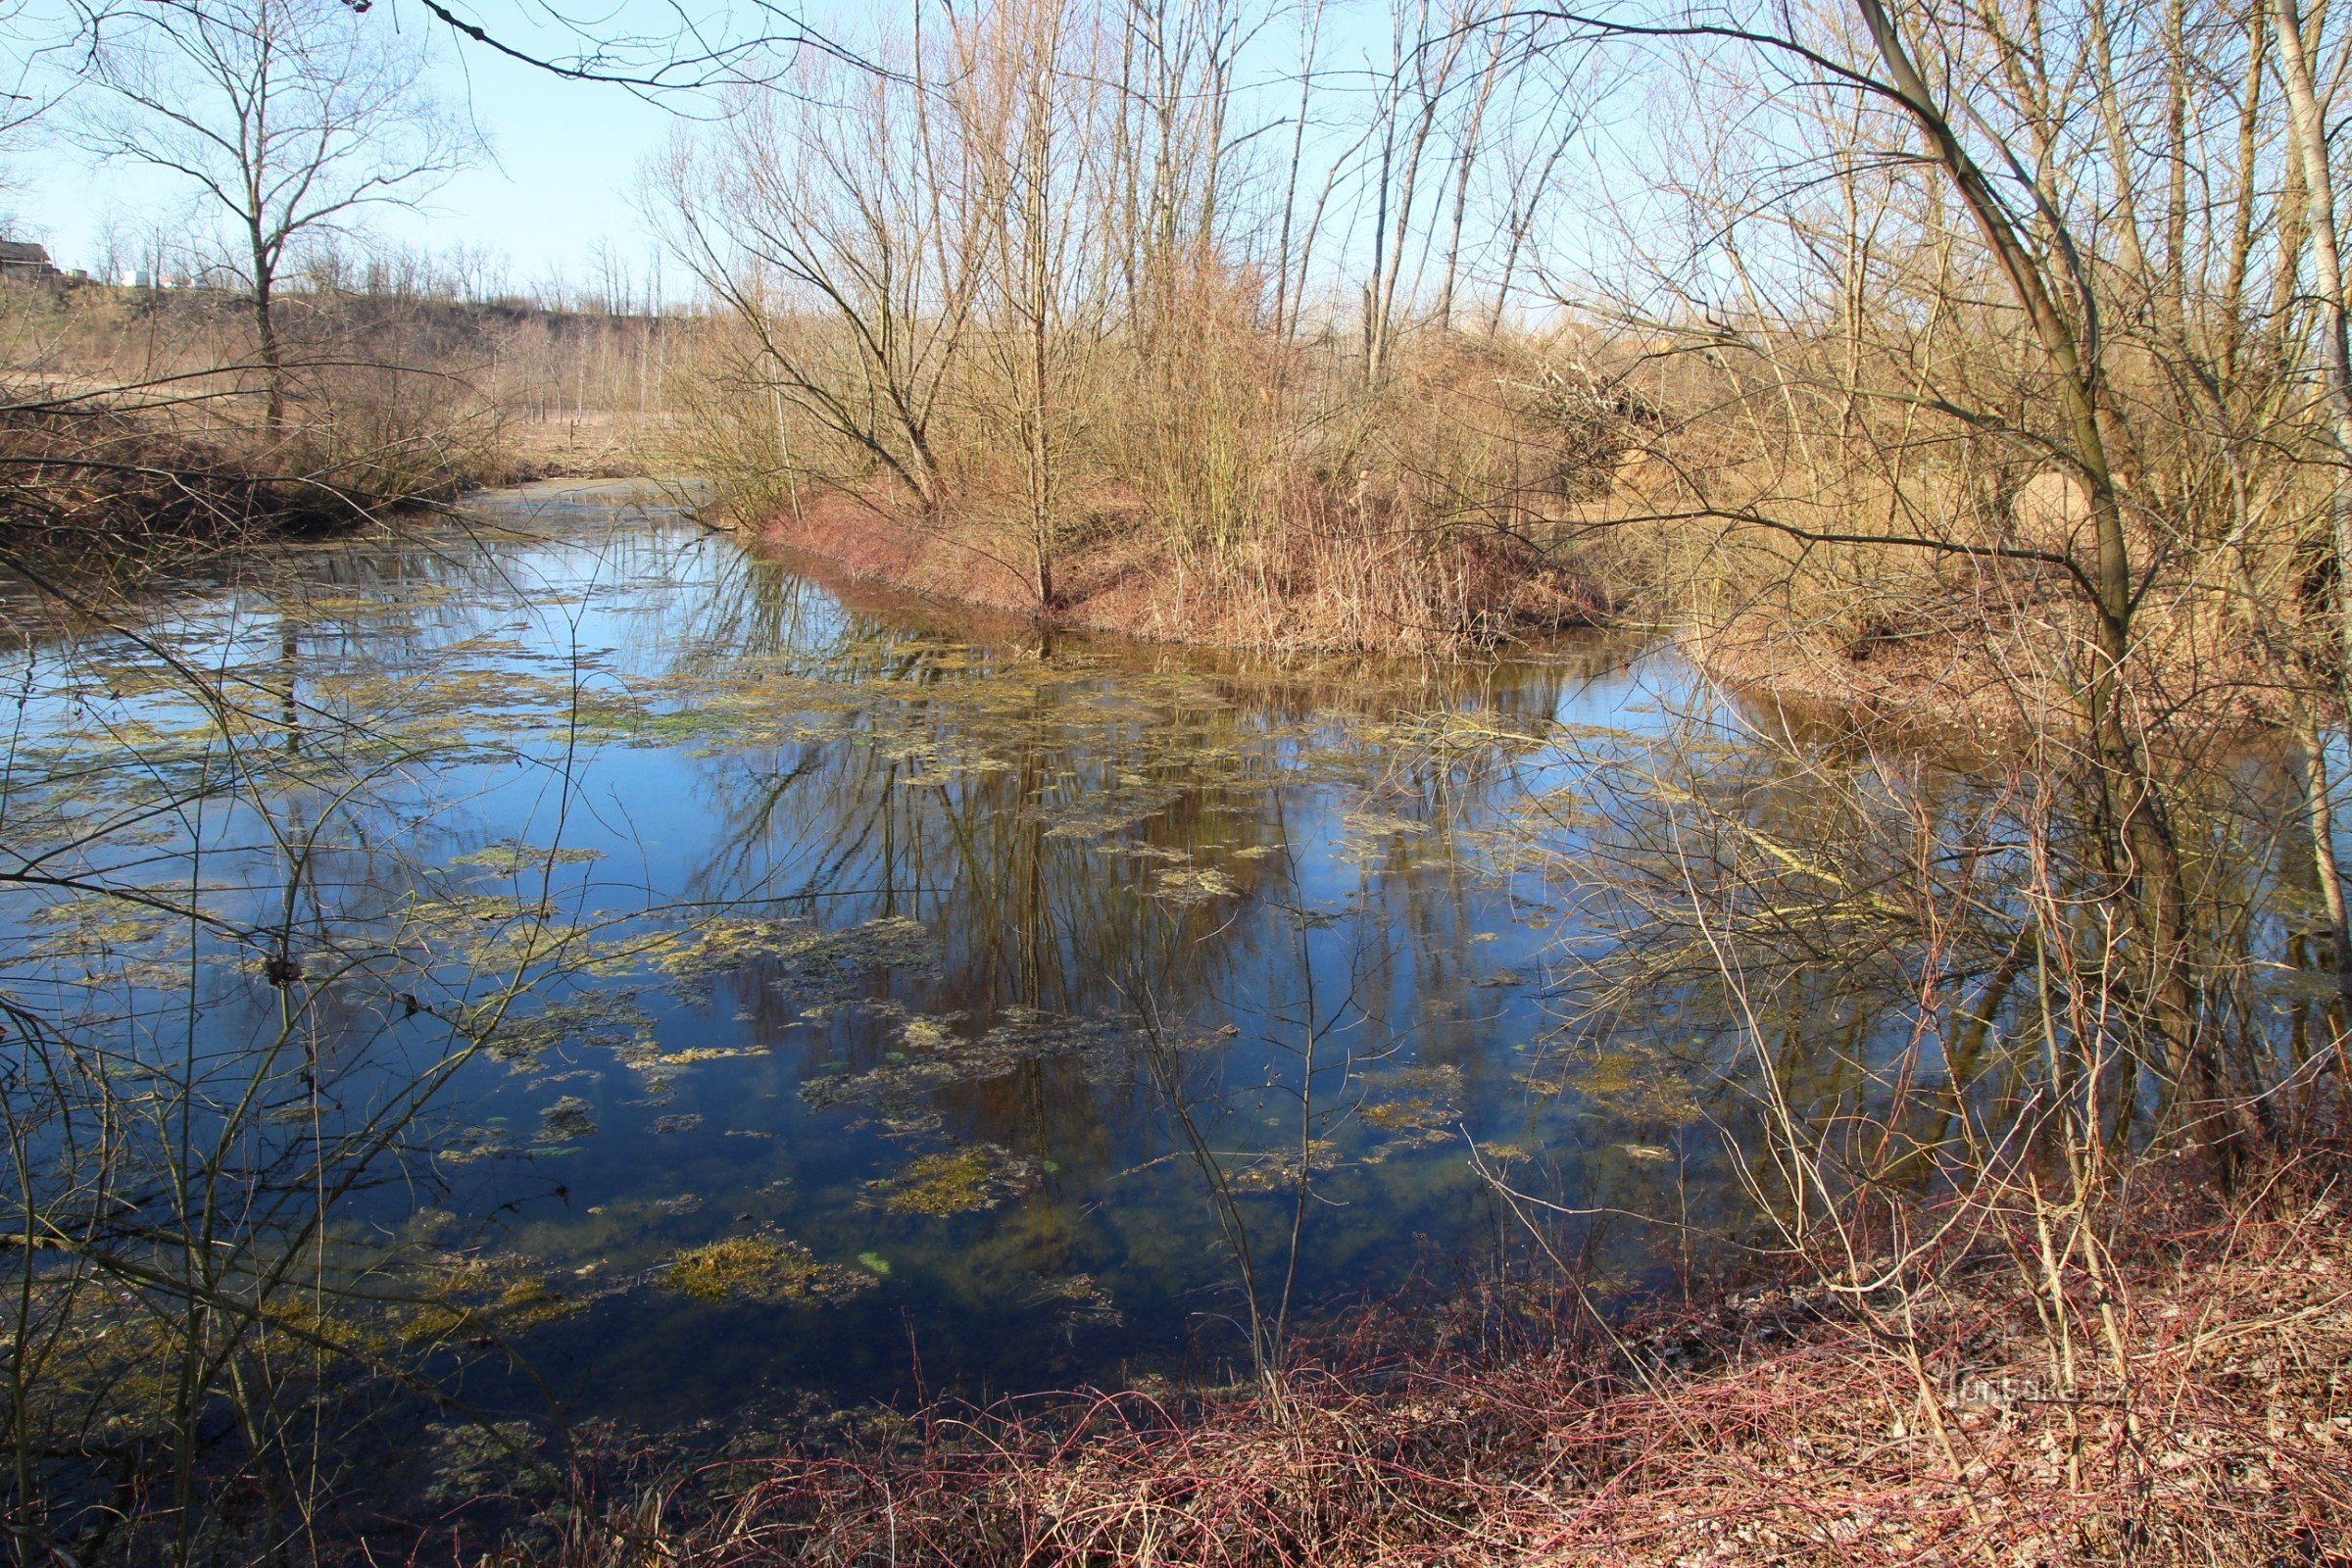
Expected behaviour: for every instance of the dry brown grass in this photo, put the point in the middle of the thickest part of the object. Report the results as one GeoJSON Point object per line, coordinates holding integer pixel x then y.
{"type": "Point", "coordinates": [596, 444]}
{"type": "Point", "coordinates": [1323, 582]}
{"type": "Point", "coordinates": [1271, 501]}
{"type": "Point", "coordinates": [137, 415]}
{"type": "Point", "coordinates": [89, 485]}
{"type": "Point", "coordinates": [2213, 1426]}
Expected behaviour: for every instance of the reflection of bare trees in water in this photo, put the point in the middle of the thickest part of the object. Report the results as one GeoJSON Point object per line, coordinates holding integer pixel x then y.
{"type": "Point", "coordinates": [236, 992]}
{"type": "Point", "coordinates": [1959, 931]}
{"type": "Point", "coordinates": [1104, 835]}
{"type": "Point", "coordinates": [1910, 1007]}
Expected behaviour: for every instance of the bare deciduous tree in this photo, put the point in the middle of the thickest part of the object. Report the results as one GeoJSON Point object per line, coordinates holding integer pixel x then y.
{"type": "Point", "coordinates": [289, 118]}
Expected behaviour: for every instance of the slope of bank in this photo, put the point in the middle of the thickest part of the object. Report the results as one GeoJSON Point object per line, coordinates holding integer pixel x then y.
{"type": "Point", "coordinates": [84, 486]}
{"type": "Point", "coordinates": [1330, 582]}
{"type": "Point", "coordinates": [2172, 1392]}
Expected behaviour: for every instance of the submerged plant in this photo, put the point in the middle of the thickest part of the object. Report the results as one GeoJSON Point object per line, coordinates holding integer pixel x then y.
{"type": "Point", "coordinates": [770, 1270]}
{"type": "Point", "coordinates": [1412, 1107]}
{"type": "Point", "coordinates": [565, 1121]}
{"type": "Point", "coordinates": [511, 857]}
{"type": "Point", "coordinates": [472, 1461]}
{"type": "Point", "coordinates": [936, 1057]}
{"type": "Point", "coordinates": [1078, 1301]}
{"type": "Point", "coordinates": [961, 1181]}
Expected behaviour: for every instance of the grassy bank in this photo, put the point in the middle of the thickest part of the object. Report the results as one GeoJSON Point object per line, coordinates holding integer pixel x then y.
{"type": "Point", "coordinates": [1323, 581]}
{"type": "Point", "coordinates": [2164, 1388]}
{"type": "Point", "coordinates": [88, 489]}
{"type": "Point", "coordinates": [1270, 498]}
{"type": "Point", "coordinates": [134, 422]}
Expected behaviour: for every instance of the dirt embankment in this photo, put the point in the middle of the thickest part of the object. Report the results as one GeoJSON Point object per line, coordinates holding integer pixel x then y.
{"type": "Point", "coordinates": [1328, 582]}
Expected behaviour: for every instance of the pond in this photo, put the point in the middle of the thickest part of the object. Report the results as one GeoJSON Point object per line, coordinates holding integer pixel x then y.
{"type": "Point", "coordinates": [736, 991]}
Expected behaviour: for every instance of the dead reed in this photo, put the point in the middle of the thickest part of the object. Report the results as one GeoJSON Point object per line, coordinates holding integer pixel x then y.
{"type": "Point", "coordinates": [2186, 1404]}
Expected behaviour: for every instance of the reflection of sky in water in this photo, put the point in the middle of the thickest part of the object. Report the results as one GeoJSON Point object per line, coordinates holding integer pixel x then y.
{"type": "Point", "coordinates": [1243, 845]}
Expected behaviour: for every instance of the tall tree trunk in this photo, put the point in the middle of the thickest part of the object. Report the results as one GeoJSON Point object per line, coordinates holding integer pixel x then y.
{"type": "Point", "coordinates": [274, 359]}
{"type": "Point", "coordinates": [2309, 130]}
{"type": "Point", "coordinates": [2310, 134]}
{"type": "Point", "coordinates": [2126, 776]}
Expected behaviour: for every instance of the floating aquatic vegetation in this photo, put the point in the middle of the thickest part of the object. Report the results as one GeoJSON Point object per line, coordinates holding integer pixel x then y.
{"type": "Point", "coordinates": [1645, 1154]}
{"type": "Point", "coordinates": [1481, 732]}
{"type": "Point", "coordinates": [492, 933]}
{"type": "Point", "coordinates": [1078, 1300]}
{"type": "Point", "coordinates": [472, 1460]}
{"type": "Point", "coordinates": [1415, 1106]}
{"type": "Point", "coordinates": [906, 1123]}
{"type": "Point", "coordinates": [683, 1122]}
{"type": "Point", "coordinates": [821, 966]}
{"type": "Point", "coordinates": [511, 857]}
{"type": "Point", "coordinates": [657, 1069]}
{"type": "Point", "coordinates": [475, 1142]}
{"type": "Point", "coordinates": [529, 1303]}
{"type": "Point", "coordinates": [922, 1033]}
{"type": "Point", "coordinates": [771, 1270]}
{"type": "Point", "coordinates": [1281, 1169]}
{"type": "Point", "coordinates": [1189, 885]}
{"type": "Point", "coordinates": [659, 1088]}
{"type": "Point", "coordinates": [1377, 825]}
{"type": "Point", "coordinates": [609, 1020]}
{"type": "Point", "coordinates": [677, 1208]}
{"type": "Point", "coordinates": [695, 1053]}
{"type": "Point", "coordinates": [97, 925]}
{"type": "Point", "coordinates": [479, 1295]}
{"type": "Point", "coordinates": [937, 1058]}
{"type": "Point", "coordinates": [1415, 1120]}
{"type": "Point", "coordinates": [962, 1181]}
{"type": "Point", "coordinates": [1418, 1114]}
{"type": "Point", "coordinates": [1425, 1078]}
{"type": "Point", "coordinates": [1631, 1081]}
{"type": "Point", "coordinates": [565, 1121]}
{"type": "Point", "coordinates": [1100, 816]}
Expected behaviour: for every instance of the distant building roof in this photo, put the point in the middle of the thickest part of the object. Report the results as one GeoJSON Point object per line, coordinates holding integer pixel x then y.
{"type": "Point", "coordinates": [18, 253]}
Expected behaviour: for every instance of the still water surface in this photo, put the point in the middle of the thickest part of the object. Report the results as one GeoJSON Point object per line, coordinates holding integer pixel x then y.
{"type": "Point", "coordinates": [990, 988]}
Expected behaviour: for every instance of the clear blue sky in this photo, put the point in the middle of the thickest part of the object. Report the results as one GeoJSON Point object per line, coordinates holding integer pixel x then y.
{"type": "Point", "coordinates": [559, 186]}
{"type": "Point", "coordinates": [559, 181]}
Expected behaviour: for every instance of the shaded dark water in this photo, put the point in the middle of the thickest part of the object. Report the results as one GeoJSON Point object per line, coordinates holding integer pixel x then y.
{"type": "Point", "coordinates": [977, 992]}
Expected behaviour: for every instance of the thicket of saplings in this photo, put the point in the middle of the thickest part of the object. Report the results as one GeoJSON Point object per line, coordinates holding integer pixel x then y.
{"type": "Point", "coordinates": [1024, 300]}
{"type": "Point", "coordinates": [1027, 297]}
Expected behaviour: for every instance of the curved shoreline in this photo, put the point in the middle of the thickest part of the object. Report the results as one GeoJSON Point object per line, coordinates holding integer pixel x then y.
{"type": "Point", "coordinates": [1126, 581]}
